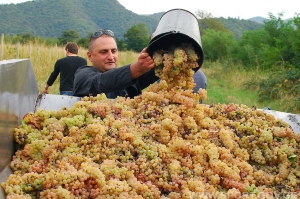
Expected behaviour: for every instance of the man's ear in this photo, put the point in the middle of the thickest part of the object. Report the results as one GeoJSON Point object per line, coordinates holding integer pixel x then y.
{"type": "Point", "coordinates": [89, 55]}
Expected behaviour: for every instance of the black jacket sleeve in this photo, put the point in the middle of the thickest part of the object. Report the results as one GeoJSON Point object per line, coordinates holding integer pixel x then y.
{"type": "Point", "coordinates": [116, 82]}
{"type": "Point", "coordinates": [90, 81]}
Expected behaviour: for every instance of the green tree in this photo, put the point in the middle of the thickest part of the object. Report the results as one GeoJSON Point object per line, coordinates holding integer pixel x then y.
{"type": "Point", "coordinates": [26, 37]}
{"type": "Point", "coordinates": [16, 38]}
{"type": "Point", "coordinates": [218, 44]}
{"type": "Point", "coordinates": [137, 37]}
{"type": "Point", "coordinates": [68, 36]}
{"type": "Point", "coordinates": [207, 21]}
{"type": "Point", "coordinates": [251, 46]}
{"type": "Point", "coordinates": [121, 44]}
{"type": "Point", "coordinates": [296, 43]}
{"type": "Point", "coordinates": [84, 41]}
{"type": "Point", "coordinates": [275, 49]}
{"type": "Point", "coordinates": [276, 44]}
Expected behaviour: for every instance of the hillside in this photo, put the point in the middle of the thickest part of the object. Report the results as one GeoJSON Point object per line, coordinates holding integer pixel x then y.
{"type": "Point", "coordinates": [238, 26]}
{"type": "Point", "coordinates": [48, 18]}
{"type": "Point", "coordinates": [258, 19]}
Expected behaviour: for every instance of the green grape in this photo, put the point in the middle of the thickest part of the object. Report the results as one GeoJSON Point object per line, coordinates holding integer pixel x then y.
{"type": "Point", "coordinates": [160, 144]}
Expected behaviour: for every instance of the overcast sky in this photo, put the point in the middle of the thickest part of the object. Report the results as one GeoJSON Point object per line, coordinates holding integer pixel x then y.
{"type": "Point", "coordinates": [243, 9]}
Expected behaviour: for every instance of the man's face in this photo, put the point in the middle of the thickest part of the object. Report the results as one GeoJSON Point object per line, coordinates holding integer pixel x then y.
{"type": "Point", "coordinates": [104, 53]}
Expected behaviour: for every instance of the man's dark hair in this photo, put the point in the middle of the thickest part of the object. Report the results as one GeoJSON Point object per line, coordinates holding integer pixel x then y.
{"type": "Point", "coordinates": [72, 47]}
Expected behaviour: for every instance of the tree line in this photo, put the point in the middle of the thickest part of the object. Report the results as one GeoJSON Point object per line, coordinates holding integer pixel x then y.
{"type": "Point", "coordinates": [275, 48]}
{"type": "Point", "coordinates": [135, 39]}
{"type": "Point", "coordinates": [277, 42]}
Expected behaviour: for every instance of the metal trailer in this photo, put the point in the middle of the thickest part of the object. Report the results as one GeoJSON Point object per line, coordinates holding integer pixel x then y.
{"type": "Point", "coordinates": [19, 95]}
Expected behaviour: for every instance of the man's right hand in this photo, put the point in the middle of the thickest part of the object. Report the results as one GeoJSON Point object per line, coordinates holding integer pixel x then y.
{"type": "Point", "coordinates": [46, 90]}
{"type": "Point", "coordinates": [144, 64]}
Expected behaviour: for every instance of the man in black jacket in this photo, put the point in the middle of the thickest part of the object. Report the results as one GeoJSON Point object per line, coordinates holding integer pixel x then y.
{"type": "Point", "coordinates": [67, 67]}
{"type": "Point", "coordinates": [105, 77]}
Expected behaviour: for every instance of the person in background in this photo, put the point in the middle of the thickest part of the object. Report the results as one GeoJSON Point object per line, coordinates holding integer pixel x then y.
{"type": "Point", "coordinates": [200, 80]}
{"type": "Point", "coordinates": [105, 77]}
{"type": "Point", "coordinates": [66, 67]}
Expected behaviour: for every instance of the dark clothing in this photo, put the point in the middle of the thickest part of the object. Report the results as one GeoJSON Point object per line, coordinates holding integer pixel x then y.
{"type": "Point", "coordinates": [116, 82]}
{"type": "Point", "coordinates": [200, 80]}
{"type": "Point", "coordinates": [69, 93]}
{"type": "Point", "coordinates": [67, 67]}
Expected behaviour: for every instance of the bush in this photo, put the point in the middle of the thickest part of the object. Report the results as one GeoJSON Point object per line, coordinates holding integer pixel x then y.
{"type": "Point", "coordinates": [281, 84]}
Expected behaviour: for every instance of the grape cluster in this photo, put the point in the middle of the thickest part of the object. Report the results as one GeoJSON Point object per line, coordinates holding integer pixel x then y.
{"type": "Point", "coordinates": [174, 66]}
{"type": "Point", "coordinates": [160, 144]}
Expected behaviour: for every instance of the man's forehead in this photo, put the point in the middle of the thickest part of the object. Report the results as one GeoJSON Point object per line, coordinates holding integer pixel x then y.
{"type": "Point", "coordinates": [107, 43]}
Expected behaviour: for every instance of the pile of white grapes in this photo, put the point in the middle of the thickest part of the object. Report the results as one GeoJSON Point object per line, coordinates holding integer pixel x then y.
{"type": "Point", "coordinates": [160, 144]}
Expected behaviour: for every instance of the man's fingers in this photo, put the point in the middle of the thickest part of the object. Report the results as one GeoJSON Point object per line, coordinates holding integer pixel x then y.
{"type": "Point", "coordinates": [144, 55]}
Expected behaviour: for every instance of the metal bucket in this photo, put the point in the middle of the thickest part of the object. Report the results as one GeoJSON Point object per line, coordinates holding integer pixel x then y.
{"type": "Point", "coordinates": [177, 26]}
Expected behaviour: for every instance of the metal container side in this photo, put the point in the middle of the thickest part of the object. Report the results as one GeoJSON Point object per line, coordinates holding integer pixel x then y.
{"type": "Point", "coordinates": [55, 102]}
{"type": "Point", "coordinates": [292, 119]}
{"type": "Point", "coordinates": [18, 93]}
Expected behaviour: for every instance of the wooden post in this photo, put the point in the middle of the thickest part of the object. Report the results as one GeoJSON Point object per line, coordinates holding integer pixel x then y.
{"type": "Point", "coordinates": [56, 51]}
{"type": "Point", "coordinates": [38, 56]}
{"type": "Point", "coordinates": [18, 50]}
{"type": "Point", "coordinates": [49, 49]}
{"type": "Point", "coordinates": [30, 50]}
{"type": "Point", "coordinates": [2, 47]}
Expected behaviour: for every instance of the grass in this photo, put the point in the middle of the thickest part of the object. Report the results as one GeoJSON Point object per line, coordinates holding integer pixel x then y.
{"type": "Point", "coordinates": [226, 81]}
{"type": "Point", "coordinates": [227, 87]}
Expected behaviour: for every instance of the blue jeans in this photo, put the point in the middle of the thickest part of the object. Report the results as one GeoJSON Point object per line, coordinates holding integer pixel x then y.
{"type": "Point", "coordinates": [70, 93]}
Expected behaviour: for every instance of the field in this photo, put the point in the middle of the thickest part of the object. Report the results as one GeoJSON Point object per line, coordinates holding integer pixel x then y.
{"type": "Point", "coordinates": [225, 84]}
